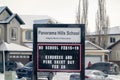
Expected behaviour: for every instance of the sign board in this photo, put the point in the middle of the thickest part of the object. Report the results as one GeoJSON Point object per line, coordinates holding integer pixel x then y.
{"type": "Point", "coordinates": [58, 47]}
{"type": "Point", "coordinates": [66, 35]}
{"type": "Point", "coordinates": [62, 57]}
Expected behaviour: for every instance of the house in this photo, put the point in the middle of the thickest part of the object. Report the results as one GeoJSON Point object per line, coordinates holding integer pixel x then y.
{"type": "Point", "coordinates": [10, 36]}
{"type": "Point", "coordinates": [113, 41]}
{"type": "Point", "coordinates": [94, 53]}
{"type": "Point", "coordinates": [115, 52]}
{"type": "Point", "coordinates": [113, 35]}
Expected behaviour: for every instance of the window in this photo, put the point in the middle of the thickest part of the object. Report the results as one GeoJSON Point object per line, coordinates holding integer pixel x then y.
{"type": "Point", "coordinates": [28, 35]}
{"type": "Point", "coordinates": [112, 39]}
{"type": "Point", "coordinates": [13, 33]}
{"type": "Point", "coordinates": [92, 40]}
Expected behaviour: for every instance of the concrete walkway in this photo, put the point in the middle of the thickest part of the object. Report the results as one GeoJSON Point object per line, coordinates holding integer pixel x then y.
{"type": "Point", "coordinates": [2, 77]}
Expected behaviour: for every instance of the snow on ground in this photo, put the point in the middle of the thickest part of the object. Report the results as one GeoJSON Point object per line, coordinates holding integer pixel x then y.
{"type": "Point", "coordinates": [1, 76]}
{"type": "Point", "coordinates": [61, 76]}
{"type": "Point", "coordinates": [113, 77]}
{"type": "Point", "coordinates": [65, 76]}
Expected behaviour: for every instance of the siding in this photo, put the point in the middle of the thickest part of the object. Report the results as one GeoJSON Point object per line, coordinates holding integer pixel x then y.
{"type": "Point", "coordinates": [13, 23]}
{"type": "Point", "coordinates": [4, 15]}
{"type": "Point", "coordinates": [1, 33]}
{"type": "Point", "coordinates": [115, 54]}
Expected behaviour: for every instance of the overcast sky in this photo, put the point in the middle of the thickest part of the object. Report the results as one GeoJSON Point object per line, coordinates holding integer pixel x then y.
{"type": "Point", "coordinates": [63, 11]}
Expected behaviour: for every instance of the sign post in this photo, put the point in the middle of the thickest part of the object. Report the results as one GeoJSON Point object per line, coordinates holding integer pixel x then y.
{"type": "Point", "coordinates": [59, 48]}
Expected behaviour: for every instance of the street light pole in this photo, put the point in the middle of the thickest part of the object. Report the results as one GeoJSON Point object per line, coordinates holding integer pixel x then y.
{"type": "Point", "coordinates": [4, 58]}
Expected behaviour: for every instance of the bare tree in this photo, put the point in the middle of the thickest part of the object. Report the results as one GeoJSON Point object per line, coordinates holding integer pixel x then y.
{"type": "Point", "coordinates": [82, 13]}
{"type": "Point", "coordinates": [102, 24]}
{"type": "Point", "coordinates": [78, 14]}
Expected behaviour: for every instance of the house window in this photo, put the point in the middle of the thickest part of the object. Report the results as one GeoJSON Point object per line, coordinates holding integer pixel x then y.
{"type": "Point", "coordinates": [13, 33]}
{"type": "Point", "coordinates": [29, 35]}
{"type": "Point", "coordinates": [112, 39]}
{"type": "Point", "coordinates": [92, 40]}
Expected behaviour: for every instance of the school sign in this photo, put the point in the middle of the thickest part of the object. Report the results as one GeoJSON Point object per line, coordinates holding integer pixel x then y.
{"type": "Point", "coordinates": [59, 47]}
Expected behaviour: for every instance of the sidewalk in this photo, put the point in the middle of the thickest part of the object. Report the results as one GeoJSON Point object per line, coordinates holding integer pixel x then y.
{"type": "Point", "coordinates": [1, 76]}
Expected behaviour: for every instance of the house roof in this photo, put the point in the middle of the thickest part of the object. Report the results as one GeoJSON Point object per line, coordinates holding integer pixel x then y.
{"type": "Point", "coordinates": [13, 47]}
{"type": "Point", "coordinates": [5, 8]}
{"type": "Point", "coordinates": [91, 47]}
{"type": "Point", "coordinates": [111, 46]}
{"type": "Point", "coordinates": [111, 31]}
{"type": "Point", "coordinates": [10, 18]}
{"type": "Point", "coordinates": [114, 30]}
{"type": "Point", "coordinates": [30, 19]}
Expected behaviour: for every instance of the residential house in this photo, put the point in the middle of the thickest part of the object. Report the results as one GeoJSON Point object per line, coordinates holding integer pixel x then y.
{"type": "Point", "coordinates": [113, 37]}
{"type": "Point", "coordinates": [94, 53]}
{"type": "Point", "coordinates": [10, 37]}
{"type": "Point", "coordinates": [115, 52]}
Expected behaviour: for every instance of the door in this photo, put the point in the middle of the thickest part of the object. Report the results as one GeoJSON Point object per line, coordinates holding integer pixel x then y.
{"type": "Point", "coordinates": [90, 59]}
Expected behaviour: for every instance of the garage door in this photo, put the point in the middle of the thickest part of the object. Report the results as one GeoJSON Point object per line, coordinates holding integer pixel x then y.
{"type": "Point", "coordinates": [92, 59]}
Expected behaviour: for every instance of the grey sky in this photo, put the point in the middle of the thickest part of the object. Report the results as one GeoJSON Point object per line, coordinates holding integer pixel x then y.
{"type": "Point", "coordinates": [63, 10]}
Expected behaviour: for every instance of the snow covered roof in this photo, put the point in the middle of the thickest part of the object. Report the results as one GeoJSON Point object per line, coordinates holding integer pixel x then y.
{"type": "Point", "coordinates": [2, 8]}
{"type": "Point", "coordinates": [30, 19]}
{"type": "Point", "coordinates": [91, 47]}
{"type": "Point", "coordinates": [43, 21]}
{"type": "Point", "coordinates": [10, 18]}
{"type": "Point", "coordinates": [112, 30]}
{"type": "Point", "coordinates": [13, 47]}
{"type": "Point", "coordinates": [5, 21]}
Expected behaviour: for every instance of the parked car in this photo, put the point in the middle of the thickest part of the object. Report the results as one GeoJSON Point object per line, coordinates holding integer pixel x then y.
{"type": "Point", "coordinates": [90, 75]}
{"type": "Point", "coordinates": [27, 71]}
{"type": "Point", "coordinates": [95, 74]}
{"type": "Point", "coordinates": [19, 65]}
{"type": "Point", "coordinates": [10, 66]}
{"type": "Point", "coordinates": [106, 67]}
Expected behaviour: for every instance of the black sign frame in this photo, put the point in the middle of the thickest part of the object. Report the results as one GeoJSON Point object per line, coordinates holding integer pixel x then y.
{"type": "Point", "coordinates": [82, 43]}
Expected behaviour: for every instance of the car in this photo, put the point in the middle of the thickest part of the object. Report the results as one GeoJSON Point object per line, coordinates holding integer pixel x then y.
{"type": "Point", "coordinates": [106, 67]}
{"type": "Point", "coordinates": [27, 71]}
{"type": "Point", "coordinates": [90, 75]}
{"type": "Point", "coordinates": [19, 65]}
{"type": "Point", "coordinates": [95, 74]}
{"type": "Point", "coordinates": [10, 66]}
